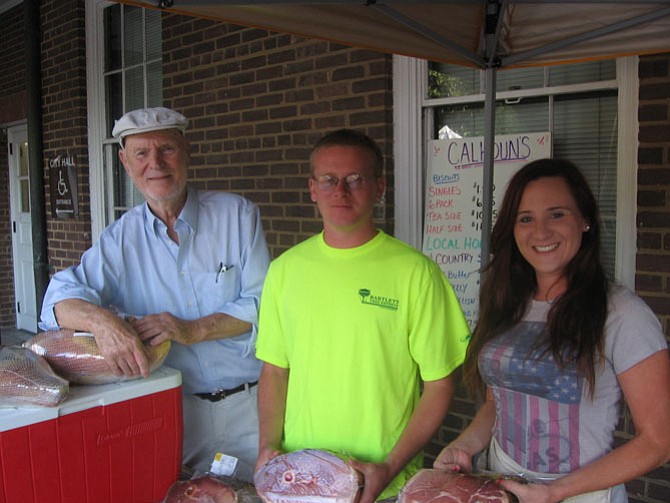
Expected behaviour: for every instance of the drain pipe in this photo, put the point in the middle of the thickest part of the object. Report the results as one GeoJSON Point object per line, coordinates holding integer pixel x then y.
{"type": "Point", "coordinates": [31, 13]}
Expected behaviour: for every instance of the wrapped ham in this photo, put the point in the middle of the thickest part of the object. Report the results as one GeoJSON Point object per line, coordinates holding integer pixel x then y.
{"type": "Point", "coordinates": [27, 379]}
{"type": "Point", "coordinates": [307, 475]}
{"type": "Point", "coordinates": [76, 356]}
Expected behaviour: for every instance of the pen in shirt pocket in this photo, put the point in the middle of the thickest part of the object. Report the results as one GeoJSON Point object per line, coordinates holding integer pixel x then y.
{"type": "Point", "coordinates": [222, 268]}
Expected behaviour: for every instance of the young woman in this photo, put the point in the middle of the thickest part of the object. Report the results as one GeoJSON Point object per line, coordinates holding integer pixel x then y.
{"type": "Point", "coordinates": [556, 348]}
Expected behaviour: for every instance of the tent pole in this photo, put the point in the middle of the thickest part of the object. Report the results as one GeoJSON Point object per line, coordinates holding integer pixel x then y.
{"type": "Point", "coordinates": [487, 180]}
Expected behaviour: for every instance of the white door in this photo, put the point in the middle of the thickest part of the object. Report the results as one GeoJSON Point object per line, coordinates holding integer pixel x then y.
{"type": "Point", "coordinates": [22, 238]}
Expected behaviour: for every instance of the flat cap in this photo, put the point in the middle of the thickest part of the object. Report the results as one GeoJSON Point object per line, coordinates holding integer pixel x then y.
{"type": "Point", "coordinates": [144, 120]}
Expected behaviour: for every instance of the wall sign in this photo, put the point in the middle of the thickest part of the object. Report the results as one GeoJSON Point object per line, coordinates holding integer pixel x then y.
{"type": "Point", "coordinates": [63, 178]}
{"type": "Point", "coordinates": [453, 211]}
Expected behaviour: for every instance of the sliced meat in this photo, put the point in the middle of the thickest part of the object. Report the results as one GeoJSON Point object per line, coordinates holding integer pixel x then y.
{"type": "Point", "coordinates": [205, 489]}
{"type": "Point", "coordinates": [308, 475]}
{"type": "Point", "coordinates": [439, 486]}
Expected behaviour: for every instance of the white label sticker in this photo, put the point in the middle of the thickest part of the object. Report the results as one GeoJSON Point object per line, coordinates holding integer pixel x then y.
{"type": "Point", "coordinates": [223, 464]}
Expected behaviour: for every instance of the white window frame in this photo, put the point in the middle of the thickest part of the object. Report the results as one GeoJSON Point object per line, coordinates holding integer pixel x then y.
{"type": "Point", "coordinates": [100, 179]}
{"type": "Point", "coordinates": [95, 60]}
{"type": "Point", "coordinates": [409, 97]}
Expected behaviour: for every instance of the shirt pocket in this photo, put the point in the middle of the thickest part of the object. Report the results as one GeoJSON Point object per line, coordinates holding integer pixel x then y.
{"type": "Point", "coordinates": [215, 289]}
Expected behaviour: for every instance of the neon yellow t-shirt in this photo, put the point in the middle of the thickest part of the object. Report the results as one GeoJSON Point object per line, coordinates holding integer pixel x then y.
{"type": "Point", "coordinates": [358, 329]}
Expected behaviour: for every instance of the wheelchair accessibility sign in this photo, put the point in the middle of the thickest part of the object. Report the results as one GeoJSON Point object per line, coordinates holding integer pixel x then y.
{"type": "Point", "coordinates": [63, 186]}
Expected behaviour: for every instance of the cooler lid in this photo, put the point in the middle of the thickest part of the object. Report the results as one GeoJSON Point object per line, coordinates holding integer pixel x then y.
{"type": "Point", "coordinates": [82, 397]}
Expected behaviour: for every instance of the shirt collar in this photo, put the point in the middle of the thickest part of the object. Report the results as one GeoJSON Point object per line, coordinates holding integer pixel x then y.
{"type": "Point", "coordinates": [188, 214]}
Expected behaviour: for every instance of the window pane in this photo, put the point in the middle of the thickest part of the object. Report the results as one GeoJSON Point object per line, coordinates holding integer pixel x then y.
{"type": "Point", "coordinates": [154, 38]}
{"type": "Point", "coordinates": [582, 72]}
{"type": "Point", "coordinates": [154, 84]}
{"type": "Point", "coordinates": [585, 132]}
{"type": "Point", "coordinates": [113, 38]}
{"type": "Point", "coordinates": [521, 78]}
{"type": "Point", "coordinates": [446, 81]}
{"type": "Point", "coordinates": [114, 100]}
{"type": "Point", "coordinates": [132, 36]}
{"type": "Point", "coordinates": [135, 88]}
{"type": "Point", "coordinates": [124, 193]}
{"type": "Point", "coordinates": [23, 160]}
{"type": "Point", "coordinates": [467, 120]}
{"type": "Point", "coordinates": [25, 195]}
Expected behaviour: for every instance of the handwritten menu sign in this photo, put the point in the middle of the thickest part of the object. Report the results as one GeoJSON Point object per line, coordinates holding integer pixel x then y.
{"type": "Point", "coordinates": [453, 212]}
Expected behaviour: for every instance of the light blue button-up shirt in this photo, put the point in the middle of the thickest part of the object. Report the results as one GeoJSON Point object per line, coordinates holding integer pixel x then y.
{"type": "Point", "coordinates": [218, 266]}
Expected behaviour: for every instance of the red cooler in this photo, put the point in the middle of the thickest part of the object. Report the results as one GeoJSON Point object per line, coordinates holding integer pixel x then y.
{"type": "Point", "coordinates": [117, 443]}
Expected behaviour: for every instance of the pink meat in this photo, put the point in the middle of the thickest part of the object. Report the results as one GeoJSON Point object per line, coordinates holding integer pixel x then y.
{"type": "Point", "coordinates": [77, 358]}
{"type": "Point", "coordinates": [307, 475]}
{"type": "Point", "coordinates": [438, 486]}
{"type": "Point", "coordinates": [203, 489]}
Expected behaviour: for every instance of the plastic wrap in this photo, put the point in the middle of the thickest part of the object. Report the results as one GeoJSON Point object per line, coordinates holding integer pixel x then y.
{"type": "Point", "coordinates": [76, 356]}
{"type": "Point", "coordinates": [308, 475]}
{"type": "Point", "coordinates": [27, 379]}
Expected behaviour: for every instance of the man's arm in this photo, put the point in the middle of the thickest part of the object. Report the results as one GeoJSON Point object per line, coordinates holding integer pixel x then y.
{"type": "Point", "coordinates": [118, 342]}
{"type": "Point", "coordinates": [425, 421]}
{"type": "Point", "coordinates": [156, 328]}
{"type": "Point", "coordinates": [272, 389]}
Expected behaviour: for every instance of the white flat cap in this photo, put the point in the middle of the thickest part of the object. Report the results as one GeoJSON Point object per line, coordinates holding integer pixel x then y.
{"type": "Point", "coordinates": [144, 120]}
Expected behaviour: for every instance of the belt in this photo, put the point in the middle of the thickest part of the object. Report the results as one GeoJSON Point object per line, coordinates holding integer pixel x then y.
{"type": "Point", "coordinates": [223, 393]}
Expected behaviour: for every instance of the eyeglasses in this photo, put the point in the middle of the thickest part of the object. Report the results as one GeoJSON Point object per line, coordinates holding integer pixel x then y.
{"type": "Point", "coordinates": [354, 181]}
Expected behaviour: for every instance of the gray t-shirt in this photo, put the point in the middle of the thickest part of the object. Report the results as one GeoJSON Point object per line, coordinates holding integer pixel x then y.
{"type": "Point", "coordinates": [546, 420]}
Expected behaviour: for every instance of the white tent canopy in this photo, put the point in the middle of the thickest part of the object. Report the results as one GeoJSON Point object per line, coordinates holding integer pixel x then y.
{"type": "Point", "coordinates": [487, 34]}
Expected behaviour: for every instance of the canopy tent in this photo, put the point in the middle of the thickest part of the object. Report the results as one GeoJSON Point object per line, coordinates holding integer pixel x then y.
{"type": "Point", "coordinates": [486, 34]}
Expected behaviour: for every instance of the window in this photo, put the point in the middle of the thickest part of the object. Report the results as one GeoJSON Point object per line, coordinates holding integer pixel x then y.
{"type": "Point", "coordinates": [590, 109]}
{"type": "Point", "coordinates": [124, 45]}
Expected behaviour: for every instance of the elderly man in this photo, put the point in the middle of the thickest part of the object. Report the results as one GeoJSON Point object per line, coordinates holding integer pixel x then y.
{"type": "Point", "coordinates": [187, 265]}
{"type": "Point", "coordinates": [352, 323]}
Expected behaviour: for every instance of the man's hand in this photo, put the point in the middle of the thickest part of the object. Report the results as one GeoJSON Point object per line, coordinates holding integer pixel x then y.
{"type": "Point", "coordinates": [156, 328]}
{"type": "Point", "coordinates": [376, 475]}
{"type": "Point", "coordinates": [265, 455]}
{"type": "Point", "coordinates": [122, 348]}
{"type": "Point", "coordinates": [118, 342]}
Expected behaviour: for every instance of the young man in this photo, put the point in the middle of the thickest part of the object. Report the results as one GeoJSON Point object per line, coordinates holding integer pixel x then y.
{"type": "Point", "coordinates": [352, 322]}
{"type": "Point", "coordinates": [188, 266]}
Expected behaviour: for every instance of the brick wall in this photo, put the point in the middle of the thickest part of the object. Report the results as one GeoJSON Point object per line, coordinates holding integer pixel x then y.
{"type": "Point", "coordinates": [653, 219]}
{"type": "Point", "coordinates": [12, 109]}
{"type": "Point", "coordinates": [257, 101]}
{"type": "Point", "coordinates": [652, 280]}
{"type": "Point", "coordinates": [12, 61]}
{"type": "Point", "coordinates": [7, 311]}
{"type": "Point", "coordinates": [65, 120]}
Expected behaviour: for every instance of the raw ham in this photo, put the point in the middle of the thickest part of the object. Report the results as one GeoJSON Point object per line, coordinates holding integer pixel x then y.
{"type": "Point", "coordinates": [76, 356]}
{"type": "Point", "coordinates": [27, 379]}
{"type": "Point", "coordinates": [205, 489]}
{"type": "Point", "coordinates": [439, 486]}
{"type": "Point", "coordinates": [308, 475]}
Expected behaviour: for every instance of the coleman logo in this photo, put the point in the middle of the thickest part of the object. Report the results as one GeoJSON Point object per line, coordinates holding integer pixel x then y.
{"type": "Point", "coordinates": [377, 300]}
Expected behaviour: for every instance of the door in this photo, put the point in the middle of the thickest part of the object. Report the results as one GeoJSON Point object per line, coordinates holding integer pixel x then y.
{"type": "Point", "coordinates": [22, 238]}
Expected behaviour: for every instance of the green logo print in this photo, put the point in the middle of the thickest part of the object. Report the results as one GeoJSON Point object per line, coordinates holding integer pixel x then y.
{"type": "Point", "coordinates": [377, 300]}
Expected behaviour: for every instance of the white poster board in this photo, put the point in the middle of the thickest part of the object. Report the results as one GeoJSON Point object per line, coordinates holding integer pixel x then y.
{"type": "Point", "coordinates": [453, 210]}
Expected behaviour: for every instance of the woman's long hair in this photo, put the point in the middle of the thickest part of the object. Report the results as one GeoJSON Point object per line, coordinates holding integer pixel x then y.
{"type": "Point", "coordinates": [576, 319]}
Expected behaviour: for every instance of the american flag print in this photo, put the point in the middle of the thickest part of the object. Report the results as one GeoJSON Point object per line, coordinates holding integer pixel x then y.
{"type": "Point", "coordinates": [537, 403]}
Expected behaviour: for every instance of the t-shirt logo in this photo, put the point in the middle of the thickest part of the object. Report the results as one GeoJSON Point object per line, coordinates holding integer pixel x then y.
{"type": "Point", "coordinates": [378, 300]}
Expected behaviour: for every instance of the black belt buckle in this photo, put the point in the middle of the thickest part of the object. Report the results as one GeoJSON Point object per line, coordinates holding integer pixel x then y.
{"type": "Point", "coordinates": [217, 396]}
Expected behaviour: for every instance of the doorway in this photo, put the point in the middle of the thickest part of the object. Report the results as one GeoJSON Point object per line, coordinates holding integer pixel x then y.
{"type": "Point", "coordinates": [22, 240]}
